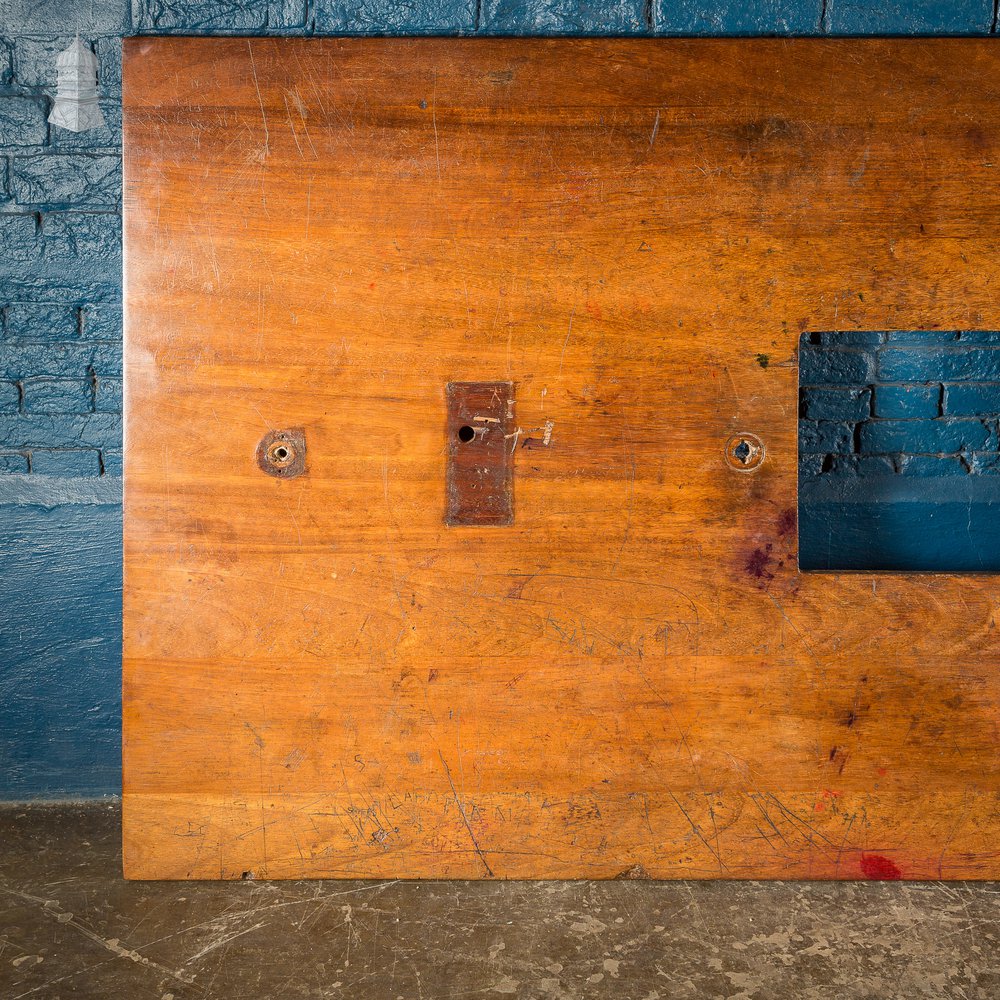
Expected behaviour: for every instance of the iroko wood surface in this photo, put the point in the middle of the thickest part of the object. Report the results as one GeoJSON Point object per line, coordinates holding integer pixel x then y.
{"type": "Point", "coordinates": [321, 677]}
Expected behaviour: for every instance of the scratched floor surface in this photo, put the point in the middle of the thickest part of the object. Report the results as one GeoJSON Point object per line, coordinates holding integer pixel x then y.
{"type": "Point", "coordinates": [71, 927]}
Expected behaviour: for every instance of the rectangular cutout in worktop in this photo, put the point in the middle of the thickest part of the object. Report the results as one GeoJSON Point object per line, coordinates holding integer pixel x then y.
{"type": "Point", "coordinates": [899, 458]}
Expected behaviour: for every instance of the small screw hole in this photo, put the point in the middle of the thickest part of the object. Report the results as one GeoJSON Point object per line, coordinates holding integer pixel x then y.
{"type": "Point", "coordinates": [742, 452]}
{"type": "Point", "coordinates": [466, 433]}
{"type": "Point", "coordinates": [281, 453]}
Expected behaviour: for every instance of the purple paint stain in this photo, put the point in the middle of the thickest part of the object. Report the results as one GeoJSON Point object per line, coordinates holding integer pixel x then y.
{"type": "Point", "coordinates": [787, 522]}
{"type": "Point", "coordinates": [758, 562]}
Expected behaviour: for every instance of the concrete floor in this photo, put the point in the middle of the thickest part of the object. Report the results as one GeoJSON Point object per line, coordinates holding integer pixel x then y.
{"type": "Point", "coordinates": [71, 927]}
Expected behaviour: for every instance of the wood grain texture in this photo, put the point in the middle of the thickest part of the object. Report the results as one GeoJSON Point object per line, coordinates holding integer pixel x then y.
{"type": "Point", "coordinates": [324, 679]}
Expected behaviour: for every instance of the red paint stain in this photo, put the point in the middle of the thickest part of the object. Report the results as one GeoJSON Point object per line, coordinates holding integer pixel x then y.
{"type": "Point", "coordinates": [594, 309]}
{"type": "Point", "coordinates": [879, 869]}
{"type": "Point", "coordinates": [828, 796]}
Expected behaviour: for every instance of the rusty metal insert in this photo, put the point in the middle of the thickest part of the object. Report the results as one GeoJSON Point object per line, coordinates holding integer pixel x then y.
{"type": "Point", "coordinates": [283, 453]}
{"type": "Point", "coordinates": [480, 436]}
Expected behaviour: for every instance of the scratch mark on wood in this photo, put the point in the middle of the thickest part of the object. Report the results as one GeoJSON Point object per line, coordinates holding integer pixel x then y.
{"type": "Point", "coordinates": [434, 122]}
{"type": "Point", "coordinates": [260, 100]}
{"type": "Point", "coordinates": [465, 819]}
{"type": "Point", "coordinates": [566, 341]}
{"type": "Point", "coordinates": [629, 488]}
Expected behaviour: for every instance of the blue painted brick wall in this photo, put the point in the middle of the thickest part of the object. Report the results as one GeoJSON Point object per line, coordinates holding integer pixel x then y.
{"type": "Point", "coordinates": [60, 302]}
{"type": "Point", "coordinates": [923, 403]}
{"type": "Point", "coordinates": [910, 482]}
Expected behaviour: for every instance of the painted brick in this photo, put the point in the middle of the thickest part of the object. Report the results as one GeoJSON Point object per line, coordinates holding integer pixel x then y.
{"type": "Point", "coordinates": [860, 465]}
{"type": "Point", "coordinates": [76, 360]}
{"type": "Point", "coordinates": [10, 397]}
{"type": "Point", "coordinates": [13, 462]}
{"type": "Point", "coordinates": [72, 236]}
{"type": "Point", "coordinates": [48, 17]}
{"type": "Point", "coordinates": [40, 321]}
{"type": "Point", "coordinates": [979, 336]}
{"type": "Point", "coordinates": [985, 463]}
{"type": "Point", "coordinates": [930, 437]}
{"type": "Point", "coordinates": [35, 60]}
{"type": "Point", "coordinates": [107, 136]}
{"type": "Point", "coordinates": [287, 16]}
{"type": "Point", "coordinates": [933, 465]}
{"type": "Point", "coordinates": [112, 461]}
{"type": "Point", "coordinates": [417, 17]}
{"type": "Point", "coordinates": [810, 465]}
{"type": "Point", "coordinates": [108, 395]}
{"type": "Point", "coordinates": [66, 180]}
{"type": "Point", "coordinates": [109, 65]}
{"type": "Point", "coordinates": [921, 338]}
{"type": "Point", "coordinates": [907, 401]}
{"type": "Point", "coordinates": [843, 338]}
{"type": "Point", "coordinates": [826, 437]}
{"type": "Point", "coordinates": [23, 121]}
{"type": "Point", "coordinates": [957, 537]}
{"type": "Point", "coordinates": [57, 395]}
{"type": "Point", "coordinates": [74, 247]}
{"type": "Point", "coordinates": [60, 708]}
{"type": "Point", "coordinates": [972, 399]}
{"type": "Point", "coordinates": [751, 17]}
{"type": "Point", "coordinates": [836, 404]}
{"type": "Point", "coordinates": [60, 287]}
{"type": "Point", "coordinates": [20, 238]}
{"type": "Point", "coordinates": [101, 321]}
{"type": "Point", "coordinates": [836, 367]}
{"type": "Point", "coordinates": [90, 430]}
{"type": "Point", "coordinates": [6, 63]}
{"type": "Point", "coordinates": [220, 16]}
{"type": "Point", "coordinates": [199, 16]}
{"type": "Point", "coordinates": [913, 17]}
{"type": "Point", "coordinates": [960, 364]}
{"type": "Point", "coordinates": [60, 462]}
{"type": "Point", "coordinates": [564, 17]}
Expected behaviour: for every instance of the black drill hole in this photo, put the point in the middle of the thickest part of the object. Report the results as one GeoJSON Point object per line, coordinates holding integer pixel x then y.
{"type": "Point", "coordinates": [742, 452]}
{"type": "Point", "coordinates": [281, 454]}
{"type": "Point", "coordinates": [466, 433]}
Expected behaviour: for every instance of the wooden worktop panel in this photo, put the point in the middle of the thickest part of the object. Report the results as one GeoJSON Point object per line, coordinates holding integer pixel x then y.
{"type": "Point", "coordinates": [321, 678]}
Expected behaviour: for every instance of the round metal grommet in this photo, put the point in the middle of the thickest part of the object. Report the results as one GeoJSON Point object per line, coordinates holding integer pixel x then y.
{"type": "Point", "coordinates": [744, 452]}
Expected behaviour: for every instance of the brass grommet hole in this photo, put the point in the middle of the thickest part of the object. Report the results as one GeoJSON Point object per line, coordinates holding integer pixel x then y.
{"type": "Point", "coordinates": [744, 452]}
{"type": "Point", "coordinates": [281, 454]}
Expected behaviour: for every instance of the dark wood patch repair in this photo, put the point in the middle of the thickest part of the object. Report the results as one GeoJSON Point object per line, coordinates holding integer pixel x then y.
{"type": "Point", "coordinates": [481, 442]}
